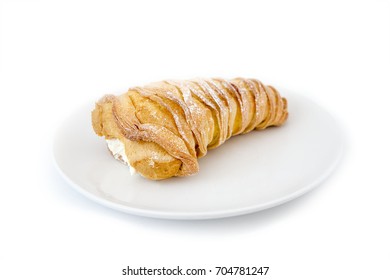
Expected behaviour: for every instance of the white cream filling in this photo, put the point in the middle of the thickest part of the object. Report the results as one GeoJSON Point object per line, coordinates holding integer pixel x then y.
{"type": "Point", "coordinates": [117, 148]}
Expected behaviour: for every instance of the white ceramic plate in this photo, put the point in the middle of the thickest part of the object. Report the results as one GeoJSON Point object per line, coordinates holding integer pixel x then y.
{"type": "Point", "coordinates": [247, 173]}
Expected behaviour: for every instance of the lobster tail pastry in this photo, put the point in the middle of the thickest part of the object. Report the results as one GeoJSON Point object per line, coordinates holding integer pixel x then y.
{"type": "Point", "coordinates": [161, 129]}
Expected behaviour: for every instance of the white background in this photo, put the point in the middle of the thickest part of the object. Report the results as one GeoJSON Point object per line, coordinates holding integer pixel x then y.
{"type": "Point", "coordinates": [56, 56]}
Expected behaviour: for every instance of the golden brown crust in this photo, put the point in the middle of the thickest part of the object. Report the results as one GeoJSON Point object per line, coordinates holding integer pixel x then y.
{"type": "Point", "coordinates": [166, 126]}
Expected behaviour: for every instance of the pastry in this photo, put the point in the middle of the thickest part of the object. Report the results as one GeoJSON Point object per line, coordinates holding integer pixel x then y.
{"type": "Point", "coordinates": [161, 129]}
